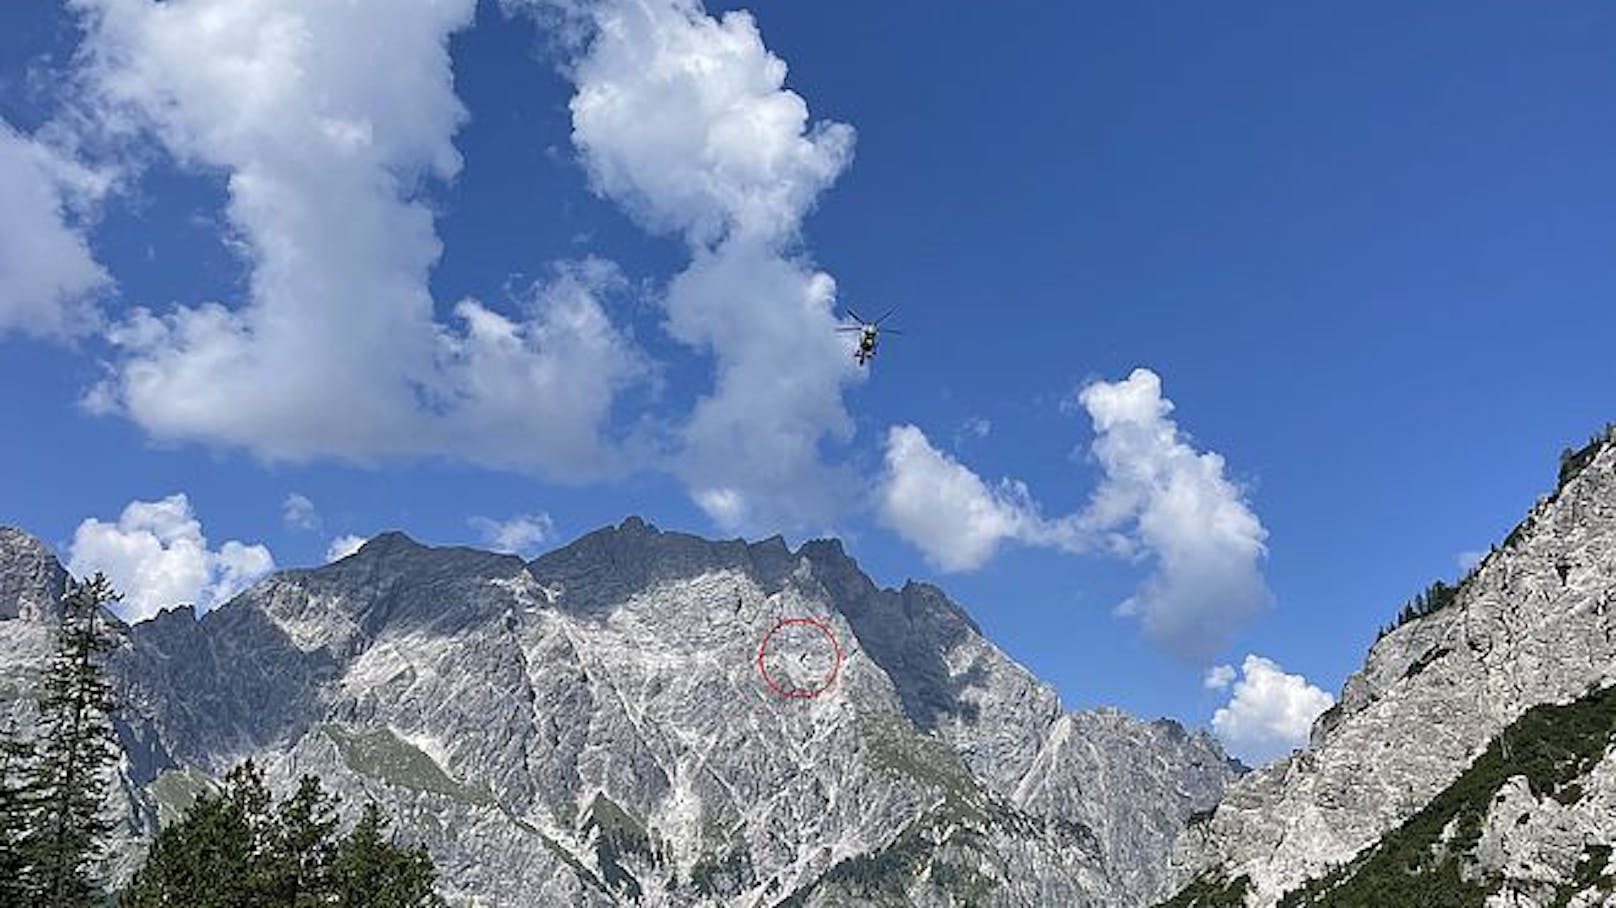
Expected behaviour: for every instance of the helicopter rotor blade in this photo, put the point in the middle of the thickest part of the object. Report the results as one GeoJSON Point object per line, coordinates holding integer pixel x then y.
{"type": "Point", "coordinates": [886, 331]}
{"type": "Point", "coordinates": [847, 329]}
{"type": "Point", "coordinates": [856, 317]}
{"type": "Point", "coordinates": [885, 317]}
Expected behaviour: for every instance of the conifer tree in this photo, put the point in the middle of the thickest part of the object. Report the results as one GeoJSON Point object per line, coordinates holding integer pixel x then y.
{"type": "Point", "coordinates": [374, 872]}
{"type": "Point", "coordinates": [214, 857]}
{"type": "Point", "coordinates": [239, 849]}
{"type": "Point", "coordinates": [16, 758]}
{"type": "Point", "coordinates": [68, 780]}
{"type": "Point", "coordinates": [304, 846]}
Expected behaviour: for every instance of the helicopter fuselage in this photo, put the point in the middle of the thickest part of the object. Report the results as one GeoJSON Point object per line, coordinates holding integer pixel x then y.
{"type": "Point", "coordinates": [866, 347]}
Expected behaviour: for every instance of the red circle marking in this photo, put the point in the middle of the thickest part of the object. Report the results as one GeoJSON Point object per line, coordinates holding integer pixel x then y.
{"type": "Point", "coordinates": [800, 693]}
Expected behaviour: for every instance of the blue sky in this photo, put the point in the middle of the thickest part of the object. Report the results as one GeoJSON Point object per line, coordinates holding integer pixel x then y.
{"type": "Point", "coordinates": [1365, 250]}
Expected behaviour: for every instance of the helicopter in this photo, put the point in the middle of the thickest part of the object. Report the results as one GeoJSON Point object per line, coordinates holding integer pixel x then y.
{"type": "Point", "coordinates": [869, 334]}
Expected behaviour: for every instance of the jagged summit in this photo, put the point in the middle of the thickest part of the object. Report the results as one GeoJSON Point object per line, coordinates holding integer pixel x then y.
{"type": "Point", "coordinates": [396, 550]}
{"type": "Point", "coordinates": [590, 728]}
{"type": "Point", "coordinates": [389, 541]}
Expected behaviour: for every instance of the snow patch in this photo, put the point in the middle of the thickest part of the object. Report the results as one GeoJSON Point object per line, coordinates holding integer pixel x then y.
{"type": "Point", "coordinates": [432, 747]}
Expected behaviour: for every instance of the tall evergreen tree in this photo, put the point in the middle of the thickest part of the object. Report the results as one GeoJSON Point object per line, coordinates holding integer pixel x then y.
{"type": "Point", "coordinates": [374, 872]}
{"type": "Point", "coordinates": [304, 846]}
{"type": "Point", "coordinates": [76, 749]}
{"type": "Point", "coordinates": [239, 849]}
{"type": "Point", "coordinates": [215, 856]}
{"type": "Point", "coordinates": [16, 759]}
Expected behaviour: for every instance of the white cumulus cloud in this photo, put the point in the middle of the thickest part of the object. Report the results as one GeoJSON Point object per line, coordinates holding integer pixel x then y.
{"type": "Point", "coordinates": [156, 555]}
{"type": "Point", "coordinates": [1269, 713]}
{"type": "Point", "coordinates": [47, 273]}
{"type": "Point", "coordinates": [941, 507]}
{"type": "Point", "coordinates": [343, 546]}
{"type": "Point", "coordinates": [1177, 507]}
{"type": "Point", "coordinates": [1158, 500]}
{"type": "Point", "coordinates": [683, 119]}
{"type": "Point", "coordinates": [519, 535]}
{"type": "Point", "coordinates": [325, 142]}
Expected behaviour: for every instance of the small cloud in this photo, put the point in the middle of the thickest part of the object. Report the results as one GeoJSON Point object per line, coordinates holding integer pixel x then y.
{"type": "Point", "coordinates": [1270, 712]}
{"type": "Point", "coordinates": [1219, 677]}
{"type": "Point", "coordinates": [156, 555]}
{"type": "Point", "coordinates": [1468, 560]}
{"type": "Point", "coordinates": [973, 428]}
{"type": "Point", "coordinates": [520, 535]}
{"type": "Point", "coordinates": [343, 546]}
{"type": "Point", "coordinates": [945, 510]}
{"type": "Point", "coordinates": [298, 512]}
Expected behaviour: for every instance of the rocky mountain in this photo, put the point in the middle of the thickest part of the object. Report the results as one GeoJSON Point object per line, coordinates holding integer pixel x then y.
{"type": "Point", "coordinates": [1470, 761]}
{"type": "Point", "coordinates": [594, 727]}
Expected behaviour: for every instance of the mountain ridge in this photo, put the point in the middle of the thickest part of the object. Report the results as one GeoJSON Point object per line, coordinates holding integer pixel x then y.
{"type": "Point", "coordinates": [588, 728]}
{"type": "Point", "coordinates": [1531, 626]}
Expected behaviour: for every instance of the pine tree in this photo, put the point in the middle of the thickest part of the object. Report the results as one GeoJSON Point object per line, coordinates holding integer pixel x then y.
{"type": "Point", "coordinates": [214, 857]}
{"type": "Point", "coordinates": [16, 758]}
{"type": "Point", "coordinates": [76, 749]}
{"type": "Point", "coordinates": [374, 872]}
{"type": "Point", "coordinates": [239, 849]}
{"type": "Point", "coordinates": [304, 846]}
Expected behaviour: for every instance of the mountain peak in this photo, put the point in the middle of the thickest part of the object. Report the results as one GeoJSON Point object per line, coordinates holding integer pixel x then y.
{"type": "Point", "coordinates": [634, 523]}
{"type": "Point", "coordinates": [31, 579]}
{"type": "Point", "coordinates": [824, 547]}
{"type": "Point", "coordinates": [18, 543]}
{"type": "Point", "coordinates": [390, 541]}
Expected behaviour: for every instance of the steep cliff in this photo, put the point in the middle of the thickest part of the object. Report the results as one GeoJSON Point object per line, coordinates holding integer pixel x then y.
{"type": "Point", "coordinates": [1433, 753]}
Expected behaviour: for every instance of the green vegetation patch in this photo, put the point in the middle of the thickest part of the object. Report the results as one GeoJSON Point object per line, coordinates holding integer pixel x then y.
{"type": "Point", "coordinates": [1212, 892]}
{"type": "Point", "coordinates": [938, 846]}
{"type": "Point", "coordinates": [894, 747]}
{"type": "Point", "coordinates": [1432, 599]}
{"type": "Point", "coordinates": [1440, 595]}
{"type": "Point", "coordinates": [1427, 860]}
{"type": "Point", "coordinates": [1592, 874]}
{"type": "Point", "coordinates": [619, 835]}
{"type": "Point", "coordinates": [380, 754]}
{"type": "Point", "coordinates": [882, 877]}
{"type": "Point", "coordinates": [175, 790]}
{"type": "Point", "coordinates": [1573, 462]}
{"type": "Point", "coordinates": [1426, 661]}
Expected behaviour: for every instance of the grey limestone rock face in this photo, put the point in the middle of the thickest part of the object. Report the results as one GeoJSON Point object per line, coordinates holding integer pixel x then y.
{"type": "Point", "coordinates": [31, 579]}
{"type": "Point", "coordinates": [1533, 624]}
{"type": "Point", "coordinates": [591, 728]}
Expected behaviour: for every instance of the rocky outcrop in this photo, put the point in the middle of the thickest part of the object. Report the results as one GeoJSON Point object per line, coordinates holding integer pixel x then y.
{"type": "Point", "coordinates": [1532, 626]}
{"type": "Point", "coordinates": [590, 728]}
